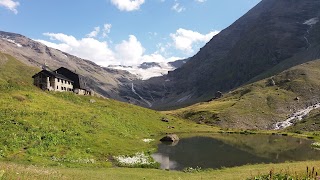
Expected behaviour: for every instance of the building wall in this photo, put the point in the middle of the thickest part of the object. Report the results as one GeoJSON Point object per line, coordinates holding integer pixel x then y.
{"type": "Point", "coordinates": [41, 81]}
{"type": "Point", "coordinates": [61, 85]}
{"type": "Point", "coordinates": [82, 92]}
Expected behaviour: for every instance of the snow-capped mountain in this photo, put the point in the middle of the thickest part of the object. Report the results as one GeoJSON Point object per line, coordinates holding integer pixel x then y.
{"type": "Point", "coordinates": [148, 70]}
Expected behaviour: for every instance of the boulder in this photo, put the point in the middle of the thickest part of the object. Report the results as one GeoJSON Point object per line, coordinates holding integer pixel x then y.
{"type": "Point", "coordinates": [170, 138]}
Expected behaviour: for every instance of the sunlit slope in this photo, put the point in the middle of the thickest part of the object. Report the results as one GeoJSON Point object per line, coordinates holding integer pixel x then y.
{"type": "Point", "coordinates": [63, 128]}
{"type": "Point", "coordinates": [261, 104]}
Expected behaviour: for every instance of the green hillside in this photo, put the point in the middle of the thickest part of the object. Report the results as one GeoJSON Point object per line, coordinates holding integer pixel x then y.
{"type": "Point", "coordinates": [62, 128]}
{"type": "Point", "coordinates": [261, 104]}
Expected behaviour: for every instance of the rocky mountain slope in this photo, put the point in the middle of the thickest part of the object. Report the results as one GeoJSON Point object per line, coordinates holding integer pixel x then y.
{"type": "Point", "coordinates": [105, 81]}
{"type": "Point", "coordinates": [272, 37]}
{"type": "Point", "coordinates": [291, 98]}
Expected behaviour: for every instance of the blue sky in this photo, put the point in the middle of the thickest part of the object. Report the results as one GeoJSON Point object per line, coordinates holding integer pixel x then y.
{"type": "Point", "coordinates": [122, 31]}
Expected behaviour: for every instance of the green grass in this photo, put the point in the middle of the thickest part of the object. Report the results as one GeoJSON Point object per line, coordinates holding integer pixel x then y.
{"type": "Point", "coordinates": [55, 129]}
{"type": "Point", "coordinates": [258, 105]}
{"type": "Point", "coordinates": [48, 135]}
{"type": "Point", "coordinates": [16, 171]}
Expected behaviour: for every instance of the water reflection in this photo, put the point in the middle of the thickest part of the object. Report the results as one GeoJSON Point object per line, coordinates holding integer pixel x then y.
{"type": "Point", "coordinates": [233, 150]}
{"type": "Point", "coordinates": [165, 161]}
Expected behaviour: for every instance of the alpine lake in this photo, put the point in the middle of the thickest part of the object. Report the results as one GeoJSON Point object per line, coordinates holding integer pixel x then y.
{"type": "Point", "coordinates": [216, 151]}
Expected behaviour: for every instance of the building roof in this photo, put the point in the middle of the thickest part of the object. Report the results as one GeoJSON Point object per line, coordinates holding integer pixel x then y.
{"type": "Point", "coordinates": [52, 74]}
{"type": "Point", "coordinates": [79, 80]}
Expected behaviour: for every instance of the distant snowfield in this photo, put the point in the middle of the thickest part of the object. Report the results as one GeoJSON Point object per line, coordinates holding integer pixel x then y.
{"type": "Point", "coordinates": [295, 117]}
{"type": "Point", "coordinates": [148, 73]}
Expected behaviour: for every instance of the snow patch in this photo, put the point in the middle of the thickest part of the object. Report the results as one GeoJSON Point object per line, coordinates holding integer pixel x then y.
{"type": "Point", "coordinates": [12, 41]}
{"type": "Point", "coordinates": [295, 117]}
{"type": "Point", "coordinates": [312, 21]}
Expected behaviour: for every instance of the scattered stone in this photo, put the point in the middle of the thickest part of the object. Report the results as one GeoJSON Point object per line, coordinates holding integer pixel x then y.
{"type": "Point", "coordinates": [170, 138]}
{"type": "Point", "coordinates": [164, 119]}
{"type": "Point", "coordinates": [92, 101]}
{"type": "Point", "coordinates": [297, 98]}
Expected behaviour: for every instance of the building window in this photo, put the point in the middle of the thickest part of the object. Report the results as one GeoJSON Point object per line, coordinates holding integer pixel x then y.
{"type": "Point", "coordinates": [57, 87]}
{"type": "Point", "coordinates": [61, 88]}
{"type": "Point", "coordinates": [58, 80]}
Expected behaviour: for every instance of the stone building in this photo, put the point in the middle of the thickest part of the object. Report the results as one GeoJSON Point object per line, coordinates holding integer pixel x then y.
{"type": "Point", "coordinates": [62, 80]}
{"type": "Point", "coordinates": [80, 83]}
{"type": "Point", "coordinates": [51, 81]}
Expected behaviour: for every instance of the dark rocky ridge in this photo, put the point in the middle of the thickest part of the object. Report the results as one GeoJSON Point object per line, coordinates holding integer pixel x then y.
{"type": "Point", "coordinates": [268, 39]}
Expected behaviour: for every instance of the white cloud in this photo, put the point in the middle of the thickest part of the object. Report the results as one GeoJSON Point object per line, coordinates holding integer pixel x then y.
{"type": "Point", "coordinates": [178, 8]}
{"type": "Point", "coordinates": [200, 1]}
{"type": "Point", "coordinates": [106, 29]}
{"type": "Point", "coordinates": [94, 33]}
{"type": "Point", "coordinates": [87, 48]}
{"type": "Point", "coordinates": [10, 4]}
{"type": "Point", "coordinates": [127, 5]}
{"type": "Point", "coordinates": [70, 40]}
{"type": "Point", "coordinates": [130, 50]}
{"type": "Point", "coordinates": [185, 39]}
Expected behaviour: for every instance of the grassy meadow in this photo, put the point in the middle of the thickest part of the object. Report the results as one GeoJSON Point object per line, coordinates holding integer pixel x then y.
{"type": "Point", "coordinates": [49, 135]}
{"type": "Point", "coordinates": [49, 128]}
